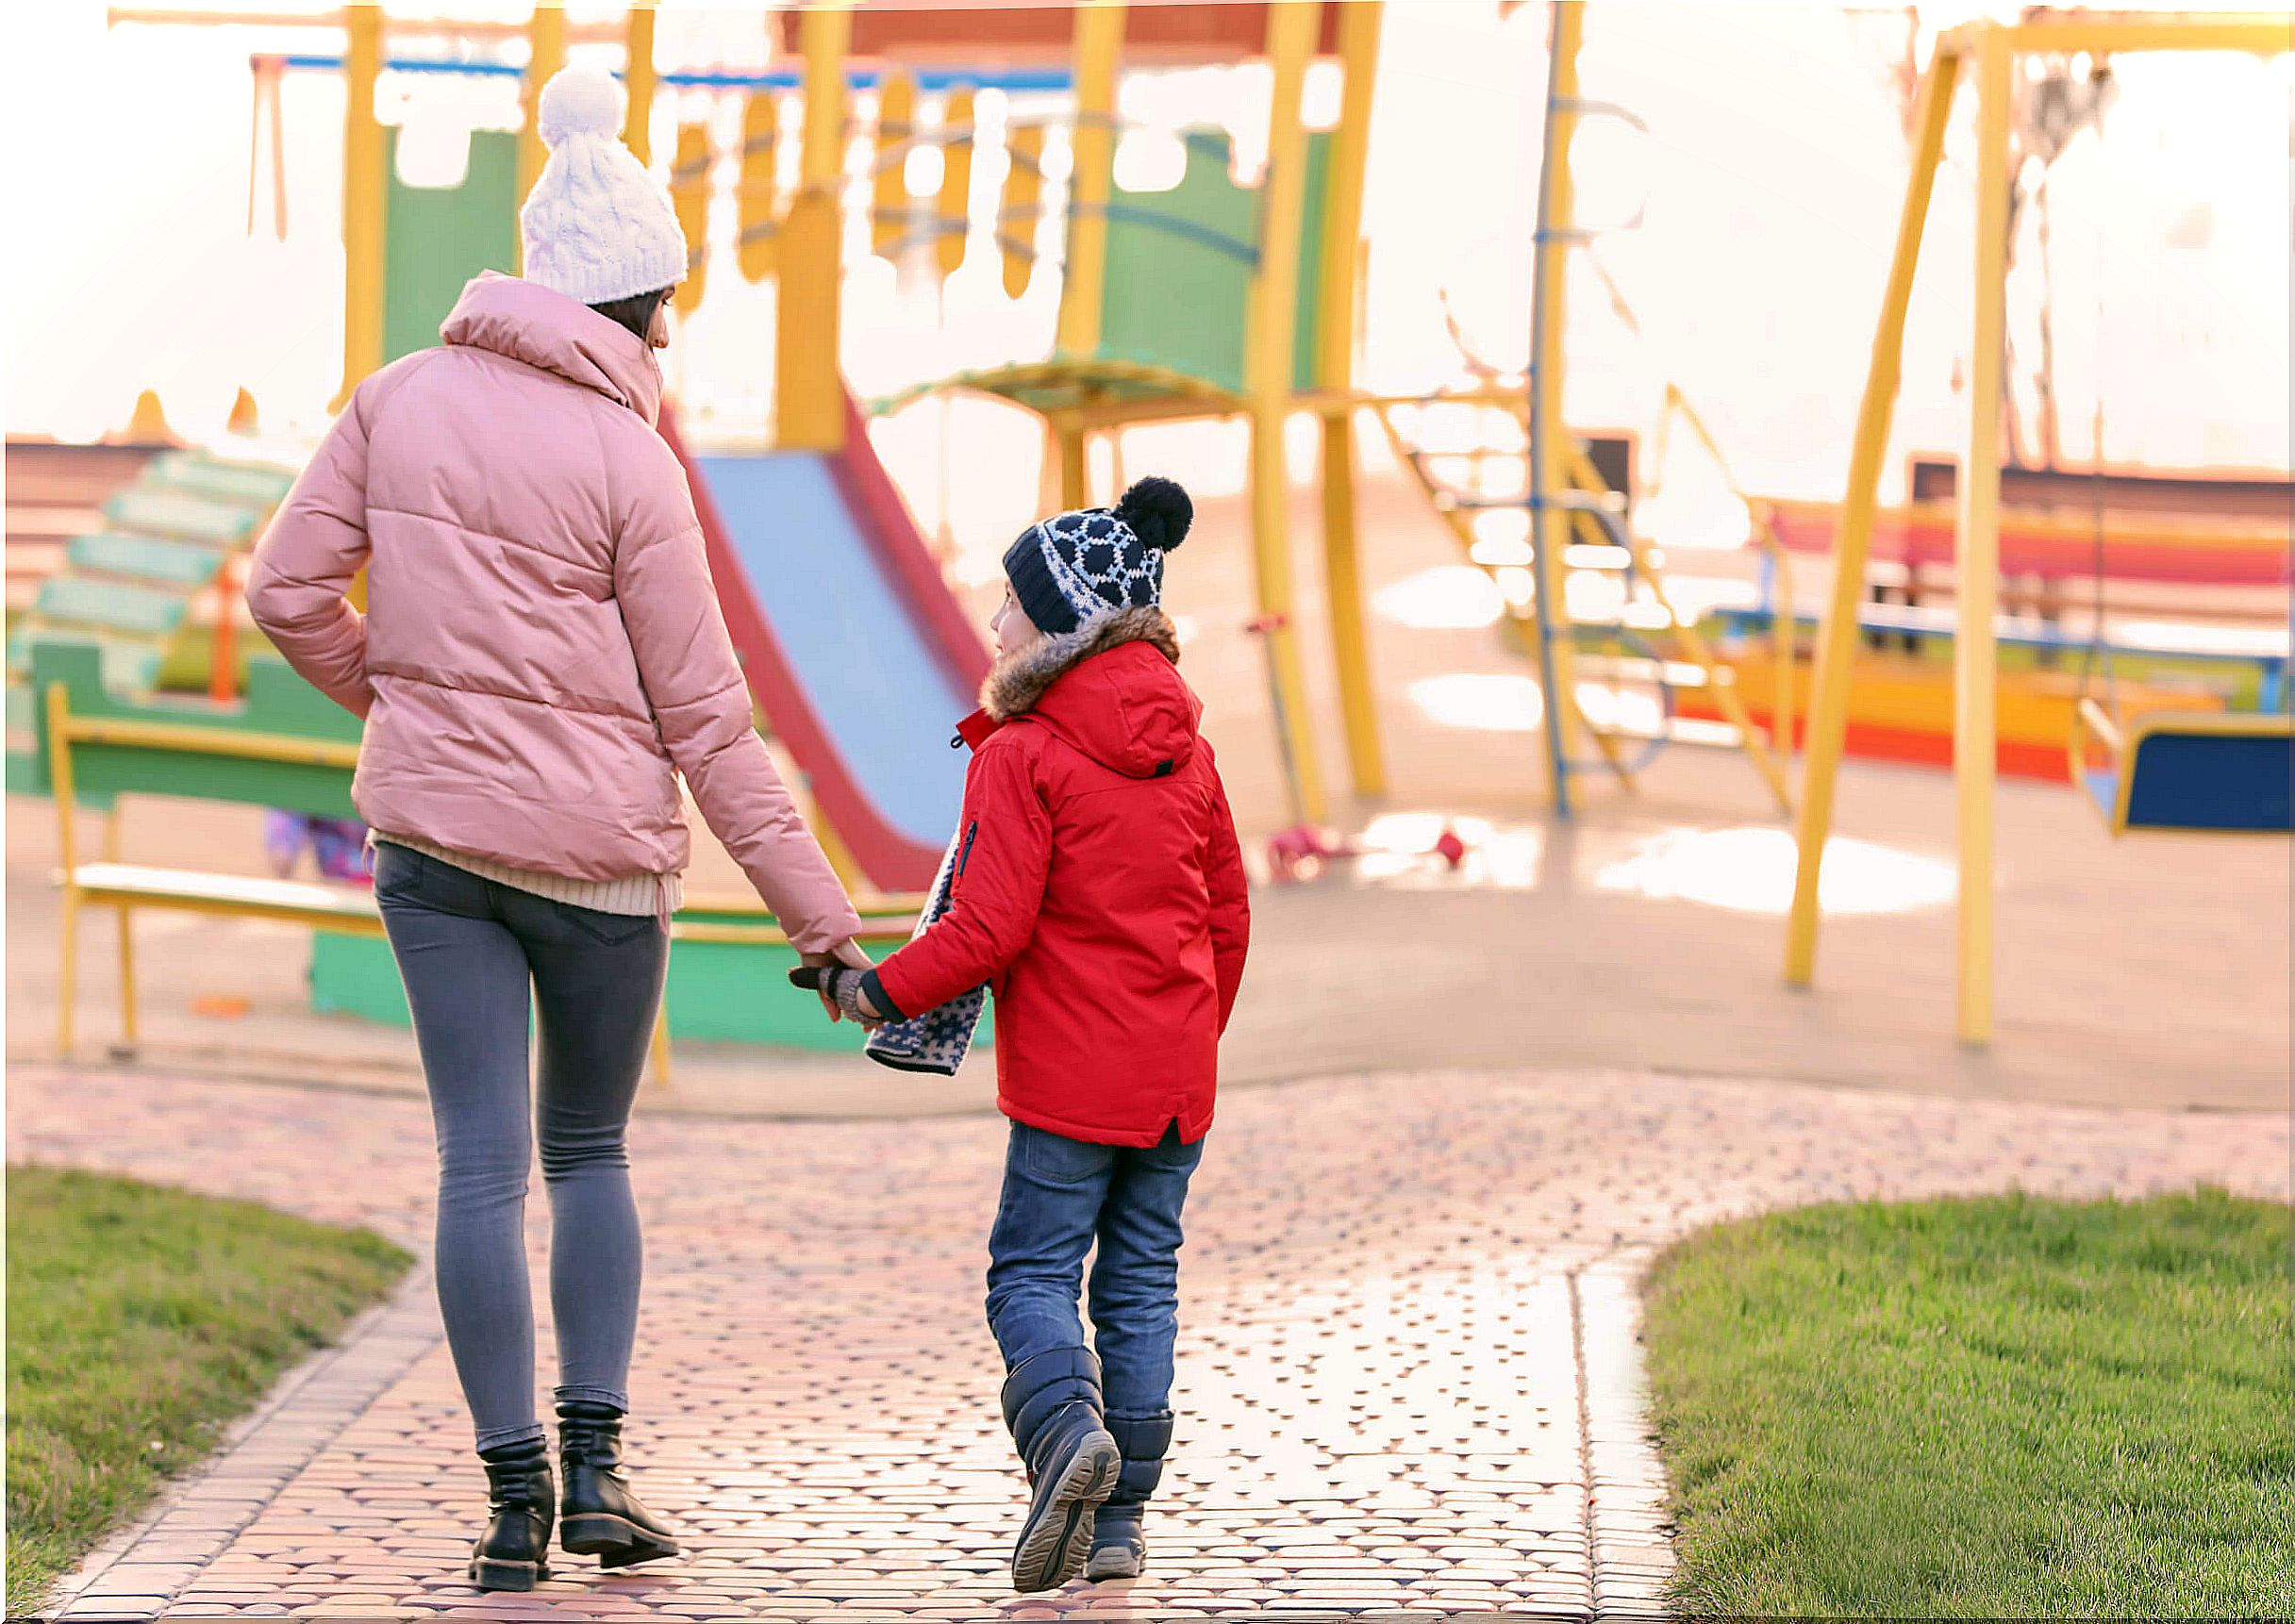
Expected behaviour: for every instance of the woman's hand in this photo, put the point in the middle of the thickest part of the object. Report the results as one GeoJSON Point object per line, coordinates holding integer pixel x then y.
{"type": "Point", "coordinates": [848, 953]}
{"type": "Point", "coordinates": [841, 990]}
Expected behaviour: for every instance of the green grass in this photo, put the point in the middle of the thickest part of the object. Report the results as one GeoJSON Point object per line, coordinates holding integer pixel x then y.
{"type": "Point", "coordinates": [140, 1320]}
{"type": "Point", "coordinates": [1982, 1408]}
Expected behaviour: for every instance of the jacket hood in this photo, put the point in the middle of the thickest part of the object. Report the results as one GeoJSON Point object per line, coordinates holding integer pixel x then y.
{"type": "Point", "coordinates": [530, 322]}
{"type": "Point", "coordinates": [1110, 688]}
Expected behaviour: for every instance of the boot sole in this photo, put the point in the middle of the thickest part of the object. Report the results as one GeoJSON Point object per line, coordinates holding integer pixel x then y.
{"type": "Point", "coordinates": [488, 1574]}
{"type": "Point", "coordinates": [1114, 1564]}
{"type": "Point", "coordinates": [1057, 1536]}
{"type": "Point", "coordinates": [615, 1541]}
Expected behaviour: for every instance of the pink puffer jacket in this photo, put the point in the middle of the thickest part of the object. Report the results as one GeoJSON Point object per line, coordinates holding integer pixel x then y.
{"type": "Point", "coordinates": [542, 651]}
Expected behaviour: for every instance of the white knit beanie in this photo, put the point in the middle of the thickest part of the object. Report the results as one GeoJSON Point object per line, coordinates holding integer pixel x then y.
{"type": "Point", "coordinates": [597, 226]}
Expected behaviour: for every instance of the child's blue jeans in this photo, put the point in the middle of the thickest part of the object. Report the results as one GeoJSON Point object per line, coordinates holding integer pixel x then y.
{"type": "Point", "coordinates": [1060, 1196]}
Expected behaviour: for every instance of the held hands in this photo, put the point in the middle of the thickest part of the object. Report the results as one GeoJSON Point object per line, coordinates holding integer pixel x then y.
{"type": "Point", "coordinates": [836, 977]}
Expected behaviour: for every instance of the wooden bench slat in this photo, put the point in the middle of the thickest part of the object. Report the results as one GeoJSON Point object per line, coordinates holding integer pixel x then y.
{"type": "Point", "coordinates": [336, 907]}
{"type": "Point", "coordinates": [189, 888]}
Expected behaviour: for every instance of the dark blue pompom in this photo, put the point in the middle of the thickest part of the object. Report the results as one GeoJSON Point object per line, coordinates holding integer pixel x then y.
{"type": "Point", "coordinates": [1158, 512]}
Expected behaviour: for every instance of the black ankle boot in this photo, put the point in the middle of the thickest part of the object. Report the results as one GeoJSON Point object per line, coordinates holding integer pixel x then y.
{"type": "Point", "coordinates": [512, 1553]}
{"type": "Point", "coordinates": [1052, 1403]}
{"type": "Point", "coordinates": [602, 1517]}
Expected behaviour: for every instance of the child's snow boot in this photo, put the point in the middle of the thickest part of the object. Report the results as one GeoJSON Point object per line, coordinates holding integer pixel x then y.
{"type": "Point", "coordinates": [602, 1515]}
{"type": "Point", "coordinates": [512, 1553]}
{"type": "Point", "coordinates": [1118, 1551]}
{"type": "Point", "coordinates": [1052, 1403]}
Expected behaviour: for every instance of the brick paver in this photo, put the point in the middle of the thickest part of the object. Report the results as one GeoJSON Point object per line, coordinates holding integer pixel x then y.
{"type": "Point", "coordinates": [1407, 1372]}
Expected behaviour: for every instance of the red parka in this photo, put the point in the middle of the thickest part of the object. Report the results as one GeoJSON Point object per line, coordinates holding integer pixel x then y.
{"type": "Point", "coordinates": [1098, 889]}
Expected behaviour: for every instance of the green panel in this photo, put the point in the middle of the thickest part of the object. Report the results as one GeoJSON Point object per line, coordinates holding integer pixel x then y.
{"type": "Point", "coordinates": [145, 557]}
{"type": "Point", "coordinates": [439, 238]}
{"type": "Point", "coordinates": [354, 975]}
{"type": "Point", "coordinates": [255, 484]}
{"type": "Point", "coordinates": [718, 992]}
{"type": "Point", "coordinates": [274, 705]}
{"type": "Point", "coordinates": [161, 512]}
{"type": "Point", "coordinates": [126, 666]}
{"type": "Point", "coordinates": [1175, 297]}
{"type": "Point", "coordinates": [111, 605]}
{"type": "Point", "coordinates": [1308, 324]}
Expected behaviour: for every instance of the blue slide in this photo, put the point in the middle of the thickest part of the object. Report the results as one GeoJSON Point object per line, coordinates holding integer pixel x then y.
{"type": "Point", "coordinates": [859, 657]}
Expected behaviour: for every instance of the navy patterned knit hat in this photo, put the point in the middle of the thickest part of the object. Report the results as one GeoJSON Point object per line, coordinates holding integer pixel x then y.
{"type": "Point", "coordinates": [1076, 567]}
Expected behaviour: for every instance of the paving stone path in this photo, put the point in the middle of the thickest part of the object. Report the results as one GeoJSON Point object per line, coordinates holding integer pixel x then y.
{"type": "Point", "coordinates": [1408, 1379]}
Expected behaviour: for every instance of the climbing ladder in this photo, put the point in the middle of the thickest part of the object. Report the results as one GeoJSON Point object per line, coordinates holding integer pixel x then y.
{"type": "Point", "coordinates": [1640, 640]}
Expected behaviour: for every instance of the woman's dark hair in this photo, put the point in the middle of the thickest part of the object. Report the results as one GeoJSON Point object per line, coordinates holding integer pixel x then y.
{"type": "Point", "coordinates": [635, 312]}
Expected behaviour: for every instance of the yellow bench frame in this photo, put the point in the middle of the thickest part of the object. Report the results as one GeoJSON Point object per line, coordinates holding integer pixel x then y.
{"type": "Point", "coordinates": [129, 886]}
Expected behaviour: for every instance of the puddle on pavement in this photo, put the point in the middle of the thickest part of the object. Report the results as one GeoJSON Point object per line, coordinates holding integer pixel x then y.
{"type": "Point", "coordinates": [1747, 870]}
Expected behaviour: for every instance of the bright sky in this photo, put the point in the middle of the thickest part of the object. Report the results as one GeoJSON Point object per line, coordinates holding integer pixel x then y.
{"type": "Point", "coordinates": [1768, 184]}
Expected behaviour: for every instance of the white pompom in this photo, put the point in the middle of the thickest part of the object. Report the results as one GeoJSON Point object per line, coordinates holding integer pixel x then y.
{"type": "Point", "coordinates": [579, 101]}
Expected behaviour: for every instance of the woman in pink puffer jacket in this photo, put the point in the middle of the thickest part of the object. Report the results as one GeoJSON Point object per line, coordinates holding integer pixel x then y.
{"type": "Point", "coordinates": [542, 658]}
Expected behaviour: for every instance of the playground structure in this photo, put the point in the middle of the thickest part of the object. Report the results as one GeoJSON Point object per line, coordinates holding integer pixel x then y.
{"type": "Point", "coordinates": [1269, 333]}
{"type": "Point", "coordinates": [1241, 258]}
{"type": "Point", "coordinates": [1266, 276]}
{"type": "Point", "coordinates": [158, 588]}
{"type": "Point", "coordinates": [2211, 773]}
{"type": "Point", "coordinates": [1204, 300]}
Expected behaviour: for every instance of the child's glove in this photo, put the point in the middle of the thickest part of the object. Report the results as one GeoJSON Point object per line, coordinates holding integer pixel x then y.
{"type": "Point", "coordinates": [841, 985]}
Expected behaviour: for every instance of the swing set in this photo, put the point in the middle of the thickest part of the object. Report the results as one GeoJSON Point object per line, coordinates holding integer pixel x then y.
{"type": "Point", "coordinates": [2163, 772]}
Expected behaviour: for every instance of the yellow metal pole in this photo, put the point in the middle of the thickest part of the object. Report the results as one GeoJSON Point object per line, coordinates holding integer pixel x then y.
{"type": "Point", "coordinates": [58, 701]}
{"type": "Point", "coordinates": [1075, 482]}
{"type": "Point", "coordinates": [808, 392]}
{"type": "Point", "coordinates": [1269, 316]}
{"type": "Point", "coordinates": [1024, 189]}
{"type": "Point", "coordinates": [661, 1043]}
{"type": "Point", "coordinates": [546, 47]}
{"type": "Point", "coordinates": [1358, 31]}
{"type": "Point", "coordinates": [761, 165]}
{"type": "Point", "coordinates": [2261, 33]}
{"type": "Point", "coordinates": [1828, 721]}
{"type": "Point", "coordinates": [1976, 705]}
{"type": "Point", "coordinates": [1099, 45]}
{"type": "Point", "coordinates": [689, 169]}
{"type": "Point", "coordinates": [954, 223]}
{"type": "Point", "coordinates": [638, 123]}
{"type": "Point", "coordinates": [896, 114]}
{"type": "Point", "coordinates": [1561, 123]}
{"type": "Point", "coordinates": [365, 198]}
{"type": "Point", "coordinates": [127, 977]}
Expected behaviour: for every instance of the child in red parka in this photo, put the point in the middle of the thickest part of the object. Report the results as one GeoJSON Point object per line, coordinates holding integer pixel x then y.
{"type": "Point", "coordinates": [1098, 889]}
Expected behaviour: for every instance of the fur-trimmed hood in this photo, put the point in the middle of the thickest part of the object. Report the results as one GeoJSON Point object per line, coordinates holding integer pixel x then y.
{"type": "Point", "coordinates": [1110, 688]}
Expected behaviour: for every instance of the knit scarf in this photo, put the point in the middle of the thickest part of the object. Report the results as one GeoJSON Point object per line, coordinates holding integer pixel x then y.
{"type": "Point", "coordinates": [939, 1040]}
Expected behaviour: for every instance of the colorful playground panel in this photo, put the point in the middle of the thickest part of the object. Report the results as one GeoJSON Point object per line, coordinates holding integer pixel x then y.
{"type": "Point", "coordinates": [2137, 547]}
{"type": "Point", "coordinates": [133, 587]}
{"type": "Point", "coordinates": [1901, 700]}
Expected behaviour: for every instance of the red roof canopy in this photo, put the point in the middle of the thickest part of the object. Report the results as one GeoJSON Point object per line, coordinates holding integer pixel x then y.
{"type": "Point", "coordinates": [1040, 30]}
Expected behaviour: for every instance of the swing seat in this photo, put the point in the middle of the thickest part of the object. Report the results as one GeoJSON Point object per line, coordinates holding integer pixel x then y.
{"type": "Point", "coordinates": [2185, 770]}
